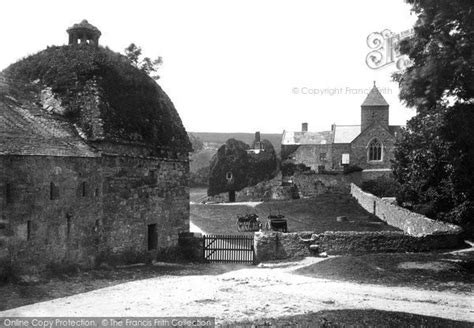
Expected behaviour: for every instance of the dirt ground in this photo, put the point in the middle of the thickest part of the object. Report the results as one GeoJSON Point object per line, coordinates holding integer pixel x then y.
{"type": "Point", "coordinates": [271, 291]}
{"type": "Point", "coordinates": [373, 290]}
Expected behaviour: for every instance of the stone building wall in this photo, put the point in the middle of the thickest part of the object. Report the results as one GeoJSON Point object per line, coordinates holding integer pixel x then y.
{"type": "Point", "coordinates": [286, 150]}
{"type": "Point", "coordinates": [359, 148]}
{"type": "Point", "coordinates": [314, 155]}
{"type": "Point", "coordinates": [72, 210]}
{"type": "Point", "coordinates": [143, 192]}
{"type": "Point", "coordinates": [337, 151]}
{"type": "Point", "coordinates": [51, 223]}
{"type": "Point", "coordinates": [371, 114]}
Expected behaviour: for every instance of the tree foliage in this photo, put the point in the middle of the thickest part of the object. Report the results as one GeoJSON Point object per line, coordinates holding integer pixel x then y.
{"type": "Point", "coordinates": [247, 168]}
{"type": "Point", "coordinates": [196, 142]}
{"type": "Point", "coordinates": [434, 159]}
{"type": "Point", "coordinates": [145, 64]}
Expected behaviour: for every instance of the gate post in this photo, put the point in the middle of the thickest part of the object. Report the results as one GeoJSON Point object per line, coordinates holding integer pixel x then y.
{"type": "Point", "coordinates": [204, 248]}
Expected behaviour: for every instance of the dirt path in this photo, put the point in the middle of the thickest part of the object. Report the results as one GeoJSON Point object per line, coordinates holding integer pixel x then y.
{"type": "Point", "coordinates": [250, 293]}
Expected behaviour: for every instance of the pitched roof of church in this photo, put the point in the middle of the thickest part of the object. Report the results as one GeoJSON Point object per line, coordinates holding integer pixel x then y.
{"type": "Point", "coordinates": [345, 133]}
{"type": "Point", "coordinates": [374, 98]}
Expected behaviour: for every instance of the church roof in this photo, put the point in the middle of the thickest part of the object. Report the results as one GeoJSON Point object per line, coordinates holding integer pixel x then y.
{"type": "Point", "coordinates": [374, 98]}
{"type": "Point", "coordinates": [345, 133]}
{"type": "Point", "coordinates": [305, 138]}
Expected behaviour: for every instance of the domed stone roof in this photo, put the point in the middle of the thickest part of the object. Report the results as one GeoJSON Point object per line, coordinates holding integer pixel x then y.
{"type": "Point", "coordinates": [105, 97]}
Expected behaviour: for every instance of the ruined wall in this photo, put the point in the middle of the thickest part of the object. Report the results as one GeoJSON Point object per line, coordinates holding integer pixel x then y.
{"type": "Point", "coordinates": [313, 184]}
{"type": "Point", "coordinates": [278, 246]}
{"type": "Point", "coordinates": [411, 223]}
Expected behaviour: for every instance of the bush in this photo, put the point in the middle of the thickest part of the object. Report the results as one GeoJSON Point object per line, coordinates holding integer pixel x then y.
{"type": "Point", "coordinates": [289, 168]}
{"type": "Point", "coordinates": [382, 187]}
{"type": "Point", "coordinates": [351, 168]}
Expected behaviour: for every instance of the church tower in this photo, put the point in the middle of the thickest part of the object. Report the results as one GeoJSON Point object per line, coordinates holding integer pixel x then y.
{"type": "Point", "coordinates": [374, 109]}
{"type": "Point", "coordinates": [84, 33]}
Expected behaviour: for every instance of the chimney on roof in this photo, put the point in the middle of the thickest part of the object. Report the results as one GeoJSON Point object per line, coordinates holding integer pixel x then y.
{"type": "Point", "coordinates": [304, 127]}
{"type": "Point", "coordinates": [257, 136]}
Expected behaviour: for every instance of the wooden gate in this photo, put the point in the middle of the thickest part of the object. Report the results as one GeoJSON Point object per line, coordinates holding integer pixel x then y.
{"type": "Point", "coordinates": [229, 248]}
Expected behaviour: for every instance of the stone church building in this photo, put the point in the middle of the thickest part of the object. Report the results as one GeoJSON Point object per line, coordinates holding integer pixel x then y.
{"type": "Point", "coordinates": [368, 146]}
{"type": "Point", "coordinates": [75, 192]}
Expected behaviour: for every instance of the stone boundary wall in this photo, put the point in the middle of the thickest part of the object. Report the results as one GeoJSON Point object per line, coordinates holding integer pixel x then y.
{"type": "Point", "coordinates": [278, 246]}
{"type": "Point", "coordinates": [413, 224]}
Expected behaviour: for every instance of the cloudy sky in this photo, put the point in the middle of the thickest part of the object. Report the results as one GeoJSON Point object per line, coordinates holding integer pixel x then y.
{"type": "Point", "coordinates": [235, 66]}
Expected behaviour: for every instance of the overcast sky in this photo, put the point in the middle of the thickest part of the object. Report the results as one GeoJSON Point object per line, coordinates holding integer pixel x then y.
{"type": "Point", "coordinates": [235, 66]}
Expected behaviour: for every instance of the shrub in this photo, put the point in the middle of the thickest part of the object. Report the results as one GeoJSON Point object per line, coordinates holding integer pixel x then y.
{"type": "Point", "coordinates": [351, 168]}
{"type": "Point", "coordinates": [382, 187]}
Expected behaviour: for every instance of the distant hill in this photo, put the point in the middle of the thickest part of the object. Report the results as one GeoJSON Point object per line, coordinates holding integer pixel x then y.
{"type": "Point", "coordinates": [221, 137]}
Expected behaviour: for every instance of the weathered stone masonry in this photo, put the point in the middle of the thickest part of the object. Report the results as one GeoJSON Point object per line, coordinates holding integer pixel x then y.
{"type": "Point", "coordinates": [73, 210]}
{"type": "Point", "coordinates": [419, 234]}
{"type": "Point", "coordinates": [411, 223]}
{"type": "Point", "coordinates": [86, 175]}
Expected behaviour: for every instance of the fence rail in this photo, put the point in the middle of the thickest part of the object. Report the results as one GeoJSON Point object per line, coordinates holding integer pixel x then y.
{"type": "Point", "coordinates": [228, 248]}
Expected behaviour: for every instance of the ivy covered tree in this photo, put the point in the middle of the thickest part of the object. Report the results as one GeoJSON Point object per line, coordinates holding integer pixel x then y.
{"type": "Point", "coordinates": [234, 167]}
{"type": "Point", "coordinates": [434, 159]}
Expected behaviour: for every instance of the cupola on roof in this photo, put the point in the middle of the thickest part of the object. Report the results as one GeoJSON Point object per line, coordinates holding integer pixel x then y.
{"type": "Point", "coordinates": [84, 33]}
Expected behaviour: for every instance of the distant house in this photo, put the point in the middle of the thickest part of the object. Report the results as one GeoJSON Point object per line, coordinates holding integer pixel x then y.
{"type": "Point", "coordinates": [369, 145]}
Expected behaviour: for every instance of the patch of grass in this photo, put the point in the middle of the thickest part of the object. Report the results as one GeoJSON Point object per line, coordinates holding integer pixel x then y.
{"type": "Point", "coordinates": [312, 214]}
{"type": "Point", "coordinates": [218, 219]}
{"type": "Point", "coordinates": [432, 271]}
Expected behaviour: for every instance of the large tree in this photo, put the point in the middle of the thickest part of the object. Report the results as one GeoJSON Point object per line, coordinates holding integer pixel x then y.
{"type": "Point", "coordinates": [434, 159]}
{"type": "Point", "coordinates": [235, 167]}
